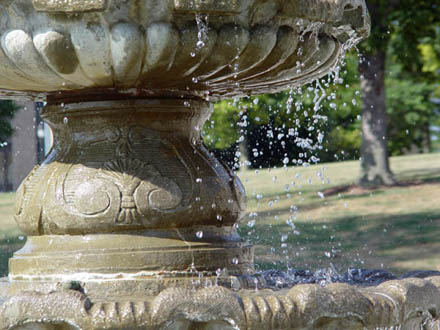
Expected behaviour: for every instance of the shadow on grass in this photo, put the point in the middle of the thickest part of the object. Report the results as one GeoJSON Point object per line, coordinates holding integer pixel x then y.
{"type": "Point", "coordinates": [410, 237]}
{"type": "Point", "coordinates": [316, 203]}
{"type": "Point", "coordinates": [354, 191]}
{"type": "Point", "coordinates": [427, 175]}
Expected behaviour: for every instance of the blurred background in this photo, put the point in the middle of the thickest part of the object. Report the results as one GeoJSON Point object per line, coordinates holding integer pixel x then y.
{"type": "Point", "coordinates": [345, 171]}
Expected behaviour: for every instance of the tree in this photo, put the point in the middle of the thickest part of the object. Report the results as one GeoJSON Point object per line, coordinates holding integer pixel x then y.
{"type": "Point", "coordinates": [410, 20]}
{"type": "Point", "coordinates": [318, 122]}
{"type": "Point", "coordinates": [410, 111]}
{"type": "Point", "coordinates": [7, 111]}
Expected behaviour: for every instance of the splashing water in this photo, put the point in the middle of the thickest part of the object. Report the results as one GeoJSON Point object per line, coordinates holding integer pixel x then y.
{"type": "Point", "coordinates": [202, 22]}
{"type": "Point", "coordinates": [303, 127]}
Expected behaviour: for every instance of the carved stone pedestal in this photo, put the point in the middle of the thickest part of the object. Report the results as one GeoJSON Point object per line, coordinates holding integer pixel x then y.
{"type": "Point", "coordinates": [129, 190]}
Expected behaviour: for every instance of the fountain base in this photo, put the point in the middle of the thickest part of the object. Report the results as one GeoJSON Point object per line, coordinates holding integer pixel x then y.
{"type": "Point", "coordinates": [405, 304]}
{"type": "Point", "coordinates": [131, 255]}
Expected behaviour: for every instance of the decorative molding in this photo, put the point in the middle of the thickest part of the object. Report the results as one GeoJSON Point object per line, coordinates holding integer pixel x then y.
{"type": "Point", "coordinates": [134, 184]}
{"type": "Point", "coordinates": [402, 304]}
{"type": "Point", "coordinates": [245, 51]}
{"type": "Point", "coordinates": [72, 6]}
{"type": "Point", "coordinates": [139, 195]}
{"type": "Point", "coordinates": [208, 6]}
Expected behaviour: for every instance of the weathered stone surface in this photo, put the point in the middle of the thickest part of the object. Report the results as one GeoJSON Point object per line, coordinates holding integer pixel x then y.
{"type": "Point", "coordinates": [128, 165]}
{"type": "Point", "coordinates": [69, 5]}
{"type": "Point", "coordinates": [134, 185]}
{"type": "Point", "coordinates": [407, 304]}
{"type": "Point", "coordinates": [208, 6]}
{"type": "Point", "coordinates": [247, 47]}
{"type": "Point", "coordinates": [131, 256]}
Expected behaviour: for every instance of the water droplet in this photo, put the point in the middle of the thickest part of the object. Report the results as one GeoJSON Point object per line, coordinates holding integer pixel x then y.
{"type": "Point", "coordinates": [65, 120]}
{"type": "Point", "coordinates": [235, 261]}
{"type": "Point", "coordinates": [199, 234]}
{"type": "Point", "coordinates": [200, 44]}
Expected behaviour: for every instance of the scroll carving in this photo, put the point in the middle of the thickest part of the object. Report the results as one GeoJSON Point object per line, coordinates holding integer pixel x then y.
{"type": "Point", "coordinates": [122, 183]}
{"type": "Point", "coordinates": [142, 188]}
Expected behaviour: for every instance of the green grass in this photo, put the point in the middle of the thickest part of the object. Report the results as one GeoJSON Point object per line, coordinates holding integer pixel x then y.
{"type": "Point", "coordinates": [11, 238]}
{"type": "Point", "coordinates": [397, 228]}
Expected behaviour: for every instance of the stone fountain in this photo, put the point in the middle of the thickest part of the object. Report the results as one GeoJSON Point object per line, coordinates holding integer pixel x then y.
{"type": "Point", "coordinates": [130, 218]}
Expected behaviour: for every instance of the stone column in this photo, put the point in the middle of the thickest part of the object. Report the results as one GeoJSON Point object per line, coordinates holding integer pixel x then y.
{"type": "Point", "coordinates": [129, 191]}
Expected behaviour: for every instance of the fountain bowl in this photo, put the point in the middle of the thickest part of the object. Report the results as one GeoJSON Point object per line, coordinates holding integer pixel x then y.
{"type": "Point", "coordinates": [187, 48]}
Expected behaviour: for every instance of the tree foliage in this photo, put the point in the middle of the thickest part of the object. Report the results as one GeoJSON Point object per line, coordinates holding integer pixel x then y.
{"type": "Point", "coordinates": [7, 112]}
{"type": "Point", "coordinates": [410, 110]}
{"type": "Point", "coordinates": [303, 125]}
{"type": "Point", "coordinates": [289, 124]}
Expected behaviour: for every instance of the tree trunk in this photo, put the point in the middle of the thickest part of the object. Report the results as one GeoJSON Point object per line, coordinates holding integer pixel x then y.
{"type": "Point", "coordinates": [426, 145]}
{"type": "Point", "coordinates": [244, 157]}
{"type": "Point", "coordinates": [374, 149]}
{"type": "Point", "coordinates": [6, 184]}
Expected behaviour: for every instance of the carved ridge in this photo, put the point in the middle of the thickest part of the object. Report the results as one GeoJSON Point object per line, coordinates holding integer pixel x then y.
{"type": "Point", "coordinates": [414, 302]}
{"type": "Point", "coordinates": [97, 49]}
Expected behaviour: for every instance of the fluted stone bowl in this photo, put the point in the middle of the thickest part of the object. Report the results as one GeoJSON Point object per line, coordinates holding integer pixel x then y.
{"type": "Point", "coordinates": [205, 48]}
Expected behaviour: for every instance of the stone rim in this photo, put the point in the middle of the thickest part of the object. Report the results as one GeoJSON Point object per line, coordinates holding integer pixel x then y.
{"type": "Point", "coordinates": [405, 303]}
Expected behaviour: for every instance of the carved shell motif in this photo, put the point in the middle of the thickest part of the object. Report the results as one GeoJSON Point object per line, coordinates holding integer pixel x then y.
{"type": "Point", "coordinates": [139, 196]}
{"type": "Point", "coordinates": [117, 178]}
{"type": "Point", "coordinates": [127, 189]}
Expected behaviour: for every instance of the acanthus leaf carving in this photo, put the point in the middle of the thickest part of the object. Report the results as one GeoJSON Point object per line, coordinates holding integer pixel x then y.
{"type": "Point", "coordinates": [142, 189]}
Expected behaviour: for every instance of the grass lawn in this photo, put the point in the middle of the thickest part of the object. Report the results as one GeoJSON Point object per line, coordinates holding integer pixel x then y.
{"type": "Point", "coordinates": [331, 221]}
{"type": "Point", "coordinates": [334, 222]}
{"type": "Point", "coordinates": [11, 238]}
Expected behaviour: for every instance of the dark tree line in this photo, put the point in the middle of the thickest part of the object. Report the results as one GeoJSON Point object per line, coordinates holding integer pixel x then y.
{"type": "Point", "coordinates": [7, 111]}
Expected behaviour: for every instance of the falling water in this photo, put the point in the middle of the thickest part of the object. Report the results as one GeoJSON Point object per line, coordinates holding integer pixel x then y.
{"type": "Point", "coordinates": [305, 128]}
